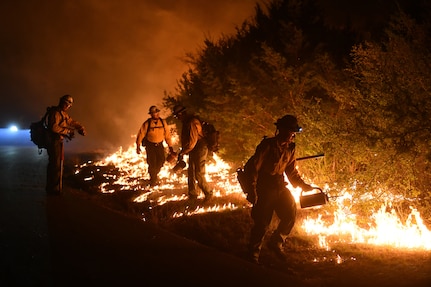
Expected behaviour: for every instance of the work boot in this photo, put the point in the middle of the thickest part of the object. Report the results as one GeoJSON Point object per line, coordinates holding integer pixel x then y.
{"type": "Point", "coordinates": [208, 196]}
{"type": "Point", "coordinates": [275, 244]}
{"type": "Point", "coordinates": [254, 257]}
{"type": "Point", "coordinates": [253, 254]}
{"type": "Point", "coordinates": [154, 181]}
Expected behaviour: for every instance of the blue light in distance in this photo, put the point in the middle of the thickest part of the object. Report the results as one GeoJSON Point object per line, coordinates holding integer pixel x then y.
{"type": "Point", "coordinates": [13, 128]}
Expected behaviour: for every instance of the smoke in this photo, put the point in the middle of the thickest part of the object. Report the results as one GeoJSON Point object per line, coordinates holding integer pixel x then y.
{"type": "Point", "coordinates": [116, 58]}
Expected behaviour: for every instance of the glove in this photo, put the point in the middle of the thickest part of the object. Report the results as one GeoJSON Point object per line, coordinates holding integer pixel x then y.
{"type": "Point", "coordinates": [81, 131]}
{"type": "Point", "coordinates": [70, 135]}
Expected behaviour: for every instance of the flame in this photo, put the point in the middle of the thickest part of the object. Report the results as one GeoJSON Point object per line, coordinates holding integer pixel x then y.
{"type": "Point", "coordinates": [385, 228]}
{"type": "Point", "coordinates": [132, 168]}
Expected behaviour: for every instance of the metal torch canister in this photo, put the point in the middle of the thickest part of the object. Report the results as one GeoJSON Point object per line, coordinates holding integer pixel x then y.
{"type": "Point", "coordinates": [179, 166]}
{"type": "Point", "coordinates": [172, 157]}
{"type": "Point", "coordinates": [313, 199]}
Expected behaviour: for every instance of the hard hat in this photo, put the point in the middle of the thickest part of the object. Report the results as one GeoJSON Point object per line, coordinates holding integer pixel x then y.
{"type": "Point", "coordinates": [67, 99]}
{"type": "Point", "coordinates": [178, 109]}
{"type": "Point", "coordinates": [288, 122]}
{"type": "Point", "coordinates": [153, 110]}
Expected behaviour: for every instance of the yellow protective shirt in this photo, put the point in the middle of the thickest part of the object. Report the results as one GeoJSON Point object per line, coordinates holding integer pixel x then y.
{"type": "Point", "coordinates": [157, 132]}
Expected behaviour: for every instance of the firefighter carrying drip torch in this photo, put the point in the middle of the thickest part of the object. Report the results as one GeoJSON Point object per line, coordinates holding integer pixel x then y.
{"type": "Point", "coordinates": [274, 157]}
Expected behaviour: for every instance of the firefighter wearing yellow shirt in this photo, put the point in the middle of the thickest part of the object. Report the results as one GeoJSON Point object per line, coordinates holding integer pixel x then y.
{"type": "Point", "coordinates": [153, 132]}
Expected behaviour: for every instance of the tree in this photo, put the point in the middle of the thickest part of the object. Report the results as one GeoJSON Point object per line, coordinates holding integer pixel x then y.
{"type": "Point", "coordinates": [393, 102]}
{"type": "Point", "coordinates": [355, 104]}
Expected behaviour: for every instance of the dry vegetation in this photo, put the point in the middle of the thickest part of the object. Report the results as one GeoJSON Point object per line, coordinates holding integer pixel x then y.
{"type": "Point", "coordinates": [227, 231]}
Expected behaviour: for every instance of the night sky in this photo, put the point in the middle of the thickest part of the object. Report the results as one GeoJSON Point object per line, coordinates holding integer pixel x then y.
{"type": "Point", "coordinates": [116, 58]}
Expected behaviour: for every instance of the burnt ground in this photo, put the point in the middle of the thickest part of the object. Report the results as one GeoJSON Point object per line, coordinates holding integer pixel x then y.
{"type": "Point", "coordinates": [80, 239]}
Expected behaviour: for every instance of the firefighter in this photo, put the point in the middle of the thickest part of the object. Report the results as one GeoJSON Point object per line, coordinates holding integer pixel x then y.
{"type": "Point", "coordinates": [195, 146]}
{"type": "Point", "coordinates": [274, 157]}
{"type": "Point", "coordinates": [153, 132]}
{"type": "Point", "coordinates": [61, 126]}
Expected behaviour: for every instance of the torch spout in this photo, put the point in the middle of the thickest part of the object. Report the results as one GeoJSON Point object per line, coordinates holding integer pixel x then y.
{"type": "Point", "coordinates": [311, 156]}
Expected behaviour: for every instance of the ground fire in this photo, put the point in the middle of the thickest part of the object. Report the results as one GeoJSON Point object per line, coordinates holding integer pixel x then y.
{"type": "Point", "coordinates": [126, 171]}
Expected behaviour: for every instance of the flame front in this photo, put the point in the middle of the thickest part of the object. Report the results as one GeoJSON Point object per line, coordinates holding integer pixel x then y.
{"type": "Point", "coordinates": [384, 228]}
{"type": "Point", "coordinates": [133, 169]}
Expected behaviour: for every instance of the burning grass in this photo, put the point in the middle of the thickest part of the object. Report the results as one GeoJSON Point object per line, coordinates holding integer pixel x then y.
{"type": "Point", "coordinates": [331, 245]}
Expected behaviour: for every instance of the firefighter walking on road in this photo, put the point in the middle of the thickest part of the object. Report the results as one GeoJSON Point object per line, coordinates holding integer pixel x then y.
{"type": "Point", "coordinates": [61, 126]}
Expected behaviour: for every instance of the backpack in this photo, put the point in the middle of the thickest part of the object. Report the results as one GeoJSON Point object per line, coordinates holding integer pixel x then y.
{"type": "Point", "coordinates": [245, 180]}
{"type": "Point", "coordinates": [211, 135]}
{"type": "Point", "coordinates": [39, 133]}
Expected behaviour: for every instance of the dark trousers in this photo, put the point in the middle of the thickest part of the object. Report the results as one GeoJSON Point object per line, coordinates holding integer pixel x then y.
{"type": "Point", "coordinates": [155, 159]}
{"type": "Point", "coordinates": [196, 171]}
{"type": "Point", "coordinates": [273, 196]}
{"type": "Point", "coordinates": [54, 174]}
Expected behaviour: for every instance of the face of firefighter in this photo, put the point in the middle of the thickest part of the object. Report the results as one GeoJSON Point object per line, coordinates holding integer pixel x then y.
{"type": "Point", "coordinates": [155, 115]}
{"type": "Point", "coordinates": [65, 105]}
{"type": "Point", "coordinates": [179, 116]}
{"type": "Point", "coordinates": [286, 136]}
